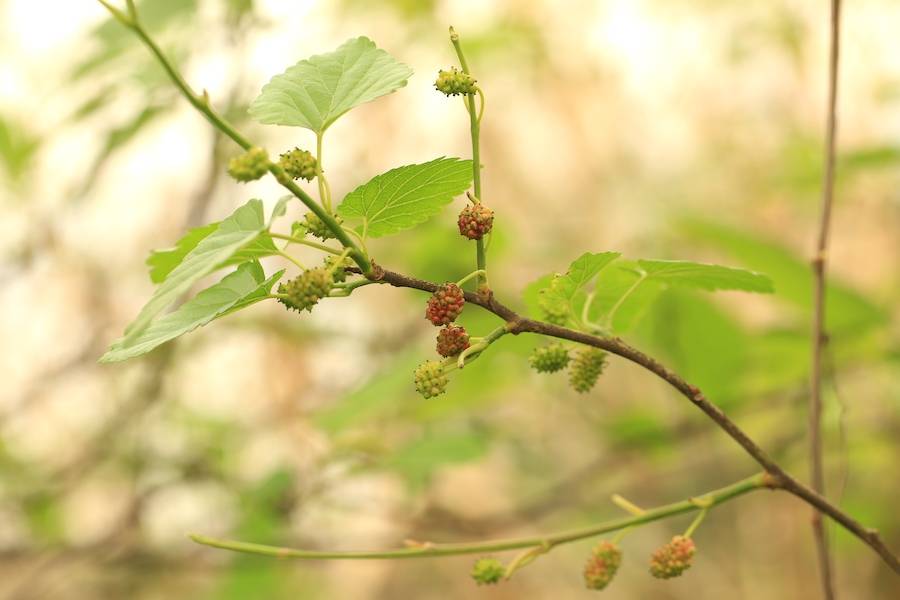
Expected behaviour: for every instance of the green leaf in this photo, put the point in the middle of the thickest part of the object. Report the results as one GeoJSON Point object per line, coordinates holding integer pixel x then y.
{"type": "Point", "coordinates": [563, 289]}
{"type": "Point", "coordinates": [849, 311]}
{"type": "Point", "coordinates": [705, 277]}
{"type": "Point", "coordinates": [161, 262]}
{"type": "Point", "coordinates": [627, 289]}
{"type": "Point", "coordinates": [260, 293]}
{"type": "Point", "coordinates": [704, 343]}
{"type": "Point", "coordinates": [263, 245]}
{"type": "Point", "coordinates": [622, 296]}
{"type": "Point", "coordinates": [531, 296]}
{"type": "Point", "coordinates": [316, 91]}
{"type": "Point", "coordinates": [280, 208]}
{"type": "Point", "coordinates": [245, 286]}
{"type": "Point", "coordinates": [406, 196]}
{"type": "Point", "coordinates": [209, 254]}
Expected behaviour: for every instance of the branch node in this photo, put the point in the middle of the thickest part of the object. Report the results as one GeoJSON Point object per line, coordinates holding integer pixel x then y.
{"type": "Point", "coordinates": [377, 273]}
{"type": "Point", "coordinates": [771, 481]}
{"type": "Point", "coordinates": [702, 501]}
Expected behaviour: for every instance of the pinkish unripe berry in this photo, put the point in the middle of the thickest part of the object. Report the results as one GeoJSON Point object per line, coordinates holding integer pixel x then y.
{"type": "Point", "coordinates": [445, 304]}
{"type": "Point", "coordinates": [602, 565]}
{"type": "Point", "coordinates": [475, 221]}
{"type": "Point", "coordinates": [451, 340]}
{"type": "Point", "coordinates": [673, 559]}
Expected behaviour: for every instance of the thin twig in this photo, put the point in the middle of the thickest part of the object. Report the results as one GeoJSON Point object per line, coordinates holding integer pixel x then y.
{"type": "Point", "coordinates": [475, 134]}
{"type": "Point", "coordinates": [425, 550]}
{"type": "Point", "coordinates": [819, 336]}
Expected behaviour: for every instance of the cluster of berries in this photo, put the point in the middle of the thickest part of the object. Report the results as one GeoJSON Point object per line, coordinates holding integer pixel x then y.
{"type": "Point", "coordinates": [475, 220]}
{"type": "Point", "coordinates": [584, 369]}
{"type": "Point", "coordinates": [442, 309]}
{"type": "Point", "coordinates": [304, 291]}
{"type": "Point", "coordinates": [254, 163]}
{"type": "Point", "coordinates": [670, 560]}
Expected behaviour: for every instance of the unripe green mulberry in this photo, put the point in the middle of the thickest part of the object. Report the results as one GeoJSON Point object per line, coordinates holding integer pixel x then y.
{"type": "Point", "coordinates": [305, 290]}
{"type": "Point", "coordinates": [298, 164]}
{"type": "Point", "coordinates": [673, 559]}
{"type": "Point", "coordinates": [487, 571]}
{"type": "Point", "coordinates": [338, 272]}
{"type": "Point", "coordinates": [475, 221]}
{"type": "Point", "coordinates": [251, 165]}
{"type": "Point", "coordinates": [555, 316]}
{"type": "Point", "coordinates": [549, 359]}
{"type": "Point", "coordinates": [585, 368]}
{"type": "Point", "coordinates": [455, 82]}
{"type": "Point", "coordinates": [317, 227]}
{"type": "Point", "coordinates": [430, 379]}
{"type": "Point", "coordinates": [602, 565]}
{"type": "Point", "coordinates": [451, 340]}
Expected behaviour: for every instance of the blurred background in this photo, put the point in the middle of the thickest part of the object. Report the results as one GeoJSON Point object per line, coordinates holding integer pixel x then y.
{"type": "Point", "coordinates": [660, 128]}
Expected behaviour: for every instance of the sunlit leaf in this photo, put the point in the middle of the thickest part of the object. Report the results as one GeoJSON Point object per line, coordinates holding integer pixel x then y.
{"type": "Point", "coordinates": [316, 91]}
{"type": "Point", "coordinates": [848, 310]}
{"type": "Point", "coordinates": [247, 285]}
{"type": "Point", "coordinates": [558, 297]}
{"type": "Point", "coordinates": [406, 196]}
{"type": "Point", "coordinates": [161, 262]}
{"type": "Point", "coordinates": [622, 296]}
{"type": "Point", "coordinates": [209, 254]}
{"type": "Point", "coordinates": [704, 276]}
{"type": "Point", "coordinates": [703, 343]}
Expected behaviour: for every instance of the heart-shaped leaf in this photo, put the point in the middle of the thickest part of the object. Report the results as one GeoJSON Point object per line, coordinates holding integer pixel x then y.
{"type": "Point", "coordinates": [316, 91]}
{"type": "Point", "coordinates": [406, 196]}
